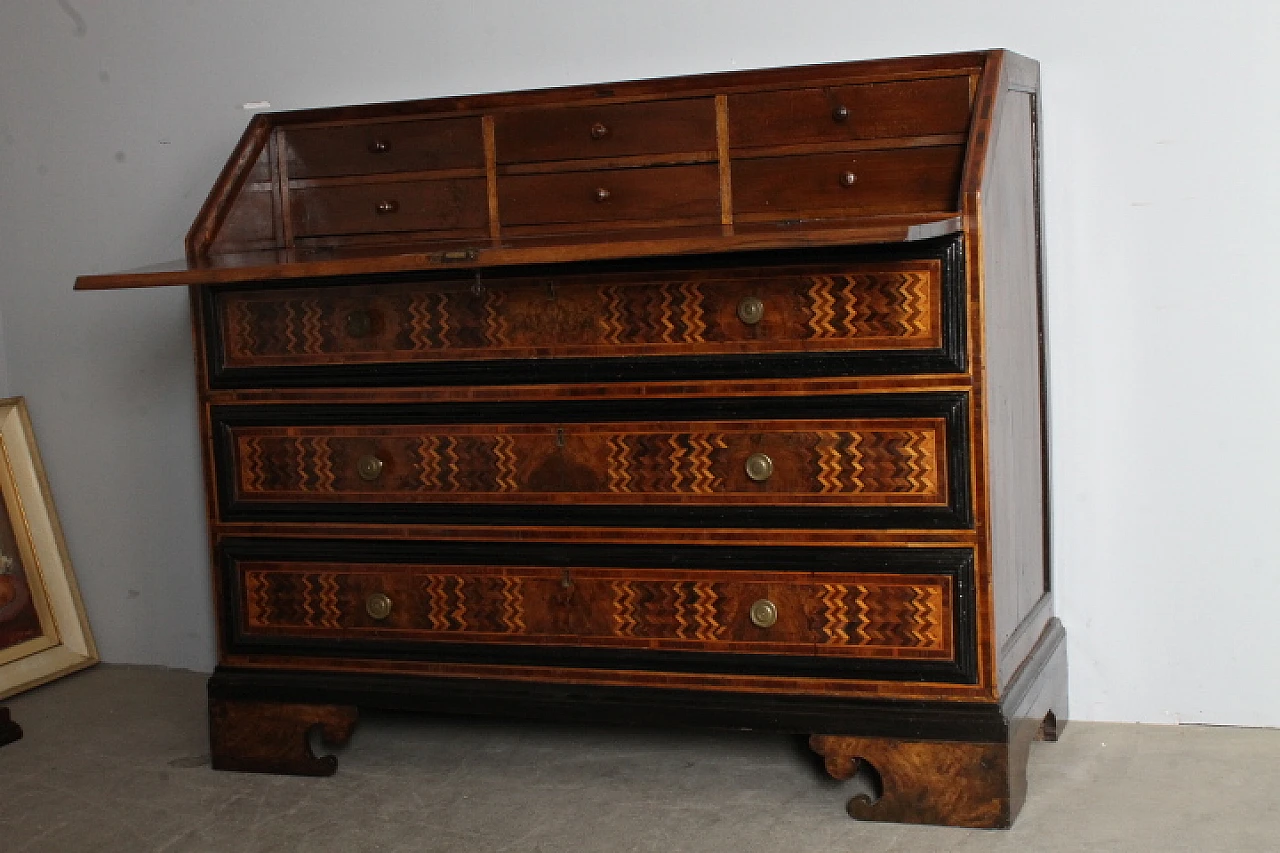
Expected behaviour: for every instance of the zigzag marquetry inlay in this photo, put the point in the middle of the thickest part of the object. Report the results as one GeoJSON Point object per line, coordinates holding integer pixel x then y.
{"type": "Point", "coordinates": [684, 610]}
{"type": "Point", "coordinates": [871, 616]}
{"type": "Point", "coordinates": [884, 615]}
{"type": "Point", "coordinates": [433, 320]}
{"type": "Point", "coordinates": [879, 460]}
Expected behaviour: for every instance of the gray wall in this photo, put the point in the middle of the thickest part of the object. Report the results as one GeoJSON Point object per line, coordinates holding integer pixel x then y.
{"type": "Point", "coordinates": [1162, 130]}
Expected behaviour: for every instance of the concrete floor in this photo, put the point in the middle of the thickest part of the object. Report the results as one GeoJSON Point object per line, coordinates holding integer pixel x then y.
{"type": "Point", "coordinates": [115, 759]}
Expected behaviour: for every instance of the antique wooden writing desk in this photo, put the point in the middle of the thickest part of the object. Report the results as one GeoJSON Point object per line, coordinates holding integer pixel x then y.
{"type": "Point", "coordinates": [704, 401]}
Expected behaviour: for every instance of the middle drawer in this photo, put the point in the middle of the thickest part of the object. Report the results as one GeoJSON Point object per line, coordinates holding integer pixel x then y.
{"type": "Point", "coordinates": [849, 460]}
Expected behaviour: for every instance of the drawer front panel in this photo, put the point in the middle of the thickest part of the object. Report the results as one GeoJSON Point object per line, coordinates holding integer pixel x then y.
{"type": "Point", "coordinates": [611, 196]}
{"type": "Point", "coordinates": [801, 310]}
{"type": "Point", "coordinates": [511, 462]}
{"type": "Point", "coordinates": [845, 113]}
{"type": "Point", "coordinates": [457, 206]}
{"type": "Point", "coordinates": [612, 130]}
{"type": "Point", "coordinates": [383, 148]}
{"type": "Point", "coordinates": [606, 598]}
{"type": "Point", "coordinates": [846, 316]}
{"type": "Point", "coordinates": [896, 461]}
{"type": "Point", "coordinates": [872, 615]}
{"type": "Point", "coordinates": [859, 183]}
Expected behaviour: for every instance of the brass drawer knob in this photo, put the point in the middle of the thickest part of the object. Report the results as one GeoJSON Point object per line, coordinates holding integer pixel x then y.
{"type": "Point", "coordinates": [602, 194]}
{"type": "Point", "coordinates": [599, 131]}
{"type": "Point", "coordinates": [764, 613]}
{"type": "Point", "coordinates": [848, 179]}
{"type": "Point", "coordinates": [751, 310]}
{"type": "Point", "coordinates": [840, 113]}
{"type": "Point", "coordinates": [380, 146]}
{"type": "Point", "coordinates": [359, 323]}
{"type": "Point", "coordinates": [377, 605]}
{"type": "Point", "coordinates": [369, 467]}
{"type": "Point", "coordinates": [759, 467]}
{"type": "Point", "coordinates": [387, 207]}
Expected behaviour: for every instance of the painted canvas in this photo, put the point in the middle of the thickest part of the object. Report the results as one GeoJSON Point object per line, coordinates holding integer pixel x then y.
{"type": "Point", "coordinates": [19, 617]}
{"type": "Point", "coordinates": [43, 630]}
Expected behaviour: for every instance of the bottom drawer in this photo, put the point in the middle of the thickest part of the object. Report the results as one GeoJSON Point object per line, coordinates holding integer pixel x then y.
{"type": "Point", "coordinates": [786, 609]}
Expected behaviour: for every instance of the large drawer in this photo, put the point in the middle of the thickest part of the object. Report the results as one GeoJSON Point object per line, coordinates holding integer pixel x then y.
{"type": "Point", "coordinates": [852, 460]}
{"type": "Point", "coordinates": [606, 130]}
{"type": "Point", "coordinates": [385, 147]}
{"type": "Point", "coordinates": [857, 183]}
{"type": "Point", "coordinates": [889, 607]}
{"type": "Point", "coordinates": [905, 108]}
{"type": "Point", "coordinates": [837, 313]}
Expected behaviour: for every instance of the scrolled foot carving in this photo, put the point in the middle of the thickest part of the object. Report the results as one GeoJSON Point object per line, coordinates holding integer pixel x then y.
{"type": "Point", "coordinates": [267, 737]}
{"type": "Point", "coordinates": [933, 782]}
{"type": "Point", "coordinates": [9, 730]}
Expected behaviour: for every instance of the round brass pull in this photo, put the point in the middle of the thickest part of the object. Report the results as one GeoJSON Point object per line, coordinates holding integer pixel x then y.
{"type": "Point", "coordinates": [377, 605]}
{"type": "Point", "coordinates": [840, 113]}
{"type": "Point", "coordinates": [751, 310]}
{"type": "Point", "coordinates": [759, 467]}
{"type": "Point", "coordinates": [369, 467]}
{"type": "Point", "coordinates": [388, 206]}
{"type": "Point", "coordinates": [599, 131]}
{"type": "Point", "coordinates": [764, 613]}
{"type": "Point", "coordinates": [848, 179]}
{"type": "Point", "coordinates": [379, 146]}
{"type": "Point", "coordinates": [359, 323]}
{"type": "Point", "coordinates": [602, 194]}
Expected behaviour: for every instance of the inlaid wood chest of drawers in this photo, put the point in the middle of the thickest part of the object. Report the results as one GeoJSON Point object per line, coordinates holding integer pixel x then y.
{"type": "Point", "coordinates": [704, 401]}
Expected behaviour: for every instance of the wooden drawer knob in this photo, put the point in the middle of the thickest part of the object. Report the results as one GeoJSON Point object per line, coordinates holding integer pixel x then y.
{"type": "Point", "coordinates": [386, 207]}
{"type": "Point", "coordinates": [378, 605]}
{"type": "Point", "coordinates": [369, 468]}
{"type": "Point", "coordinates": [751, 310]}
{"type": "Point", "coordinates": [764, 613]}
{"type": "Point", "coordinates": [840, 113]}
{"type": "Point", "coordinates": [602, 194]}
{"type": "Point", "coordinates": [759, 467]}
{"type": "Point", "coordinates": [359, 323]}
{"type": "Point", "coordinates": [848, 179]}
{"type": "Point", "coordinates": [380, 146]}
{"type": "Point", "coordinates": [599, 131]}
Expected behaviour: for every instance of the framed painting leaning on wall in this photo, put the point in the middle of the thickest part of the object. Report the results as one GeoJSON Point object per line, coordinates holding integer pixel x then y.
{"type": "Point", "coordinates": [43, 630]}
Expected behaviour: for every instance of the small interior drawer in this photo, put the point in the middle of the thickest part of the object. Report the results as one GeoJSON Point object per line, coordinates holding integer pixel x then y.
{"type": "Point", "coordinates": [836, 114]}
{"type": "Point", "coordinates": [457, 205]}
{"type": "Point", "coordinates": [383, 148]}
{"type": "Point", "coordinates": [645, 196]}
{"type": "Point", "coordinates": [857, 183]}
{"type": "Point", "coordinates": [606, 130]}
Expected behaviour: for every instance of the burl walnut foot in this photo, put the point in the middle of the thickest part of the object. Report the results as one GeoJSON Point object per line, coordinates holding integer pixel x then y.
{"type": "Point", "coordinates": [9, 730]}
{"type": "Point", "coordinates": [268, 737]}
{"type": "Point", "coordinates": [979, 785]}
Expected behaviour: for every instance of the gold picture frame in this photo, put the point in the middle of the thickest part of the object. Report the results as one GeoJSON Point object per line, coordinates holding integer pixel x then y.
{"type": "Point", "coordinates": [43, 630]}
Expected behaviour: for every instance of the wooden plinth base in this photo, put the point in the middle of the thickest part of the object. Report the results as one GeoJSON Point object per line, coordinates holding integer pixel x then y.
{"type": "Point", "coordinates": [9, 730]}
{"type": "Point", "coordinates": [269, 737]}
{"type": "Point", "coordinates": [948, 763]}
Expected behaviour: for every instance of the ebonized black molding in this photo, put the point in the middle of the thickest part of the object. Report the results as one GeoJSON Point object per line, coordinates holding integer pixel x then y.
{"type": "Point", "coordinates": [954, 562]}
{"type": "Point", "coordinates": [951, 406]}
{"type": "Point", "coordinates": [951, 357]}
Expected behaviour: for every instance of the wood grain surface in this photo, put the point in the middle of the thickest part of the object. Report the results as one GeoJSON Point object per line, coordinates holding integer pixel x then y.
{"type": "Point", "coordinates": [265, 737]}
